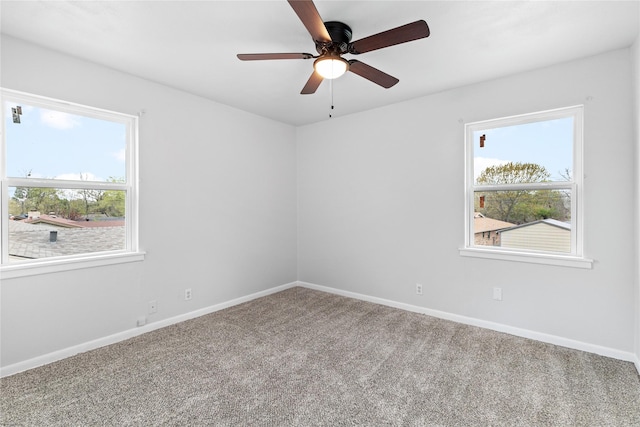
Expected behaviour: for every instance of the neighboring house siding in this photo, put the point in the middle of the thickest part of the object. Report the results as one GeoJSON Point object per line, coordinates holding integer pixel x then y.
{"type": "Point", "coordinates": [539, 236]}
{"type": "Point", "coordinates": [486, 230]}
{"type": "Point", "coordinates": [487, 238]}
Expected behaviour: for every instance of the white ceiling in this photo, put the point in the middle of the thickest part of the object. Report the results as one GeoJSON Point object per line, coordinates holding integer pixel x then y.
{"type": "Point", "coordinates": [191, 45]}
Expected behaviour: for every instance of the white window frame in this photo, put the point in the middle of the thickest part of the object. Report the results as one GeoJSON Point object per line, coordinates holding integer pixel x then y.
{"type": "Point", "coordinates": [131, 253]}
{"type": "Point", "coordinates": [576, 257]}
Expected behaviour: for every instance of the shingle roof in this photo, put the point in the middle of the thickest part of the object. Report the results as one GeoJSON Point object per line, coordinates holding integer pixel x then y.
{"type": "Point", "coordinates": [28, 240]}
{"type": "Point", "coordinates": [483, 224]}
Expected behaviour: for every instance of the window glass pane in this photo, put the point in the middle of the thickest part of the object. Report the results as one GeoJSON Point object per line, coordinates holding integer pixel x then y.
{"type": "Point", "coordinates": [51, 144]}
{"type": "Point", "coordinates": [50, 222]}
{"type": "Point", "coordinates": [532, 152]}
{"type": "Point", "coordinates": [537, 220]}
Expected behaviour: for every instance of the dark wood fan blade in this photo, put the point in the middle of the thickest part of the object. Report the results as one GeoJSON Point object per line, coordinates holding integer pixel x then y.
{"type": "Point", "coordinates": [312, 84]}
{"type": "Point", "coordinates": [308, 14]}
{"type": "Point", "coordinates": [263, 56]}
{"type": "Point", "coordinates": [406, 33]}
{"type": "Point", "coordinates": [372, 74]}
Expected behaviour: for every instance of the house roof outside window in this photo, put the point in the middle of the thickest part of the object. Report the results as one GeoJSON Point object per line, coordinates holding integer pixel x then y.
{"type": "Point", "coordinates": [30, 239]}
{"type": "Point", "coordinates": [482, 224]}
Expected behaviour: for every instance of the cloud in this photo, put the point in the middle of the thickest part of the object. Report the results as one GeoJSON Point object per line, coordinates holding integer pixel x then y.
{"type": "Point", "coordinates": [58, 119]}
{"type": "Point", "coordinates": [120, 155]}
{"type": "Point", "coordinates": [481, 163]}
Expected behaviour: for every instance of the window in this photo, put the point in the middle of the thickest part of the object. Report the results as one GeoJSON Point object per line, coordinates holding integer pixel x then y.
{"type": "Point", "coordinates": [69, 184]}
{"type": "Point", "coordinates": [523, 188]}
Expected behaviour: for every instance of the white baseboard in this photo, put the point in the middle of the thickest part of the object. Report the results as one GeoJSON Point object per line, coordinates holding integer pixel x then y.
{"type": "Point", "coordinates": [525, 333]}
{"type": "Point", "coordinates": [124, 335]}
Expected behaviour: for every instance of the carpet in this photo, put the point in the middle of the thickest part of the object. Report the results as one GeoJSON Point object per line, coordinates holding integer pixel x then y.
{"type": "Point", "coordinates": [307, 358]}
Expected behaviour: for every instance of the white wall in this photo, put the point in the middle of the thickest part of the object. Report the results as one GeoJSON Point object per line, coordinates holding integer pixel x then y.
{"type": "Point", "coordinates": [381, 206]}
{"type": "Point", "coordinates": [380, 209]}
{"type": "Point", "coordinates": [196, 156]}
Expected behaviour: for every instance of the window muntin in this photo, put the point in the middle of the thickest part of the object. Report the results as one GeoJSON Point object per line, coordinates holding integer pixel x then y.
{"type": "Point", "coordinates": [523, 180]}
{"type": "Point", "coordinates": [68, 180]}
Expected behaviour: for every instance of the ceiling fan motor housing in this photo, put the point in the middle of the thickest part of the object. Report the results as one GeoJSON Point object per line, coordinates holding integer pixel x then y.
{"type": "Point", "coordinates": [340, 34]}
{"type": "Point", "coordinates": [333, 39]}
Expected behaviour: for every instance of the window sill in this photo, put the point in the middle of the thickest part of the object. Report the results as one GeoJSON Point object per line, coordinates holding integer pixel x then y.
{"type": "Point", "coordinates": [34, 268]}
{"type": "Point", "coordinates": [559, 260]}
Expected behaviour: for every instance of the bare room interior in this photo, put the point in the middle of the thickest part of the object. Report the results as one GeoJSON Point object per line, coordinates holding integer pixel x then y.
{"type": "Point", "coordinates": [302, 249]}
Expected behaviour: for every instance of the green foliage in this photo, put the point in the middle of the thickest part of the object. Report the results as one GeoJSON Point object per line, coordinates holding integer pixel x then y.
{"type": "Point", "coordinates": [68, 203]}
{"type": "Point", "coordinates": [521, 206]}
{"type": "Point", "coordinates": [514, 173]}
{"type": "Point", "coordinates": [112, 203]}
{"type": "Point", "coordinates": [15, 207]}
{"type": "Point", "coordinates": [35, 198]}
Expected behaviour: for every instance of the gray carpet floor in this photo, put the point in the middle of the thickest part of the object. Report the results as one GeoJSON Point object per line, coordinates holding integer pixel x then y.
{"type": "Point", "coordinates": [307, 358]}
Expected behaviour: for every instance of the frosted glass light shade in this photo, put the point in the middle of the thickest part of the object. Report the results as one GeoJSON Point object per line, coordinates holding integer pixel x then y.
{"type": "Point", "coordinates": [331, 67]}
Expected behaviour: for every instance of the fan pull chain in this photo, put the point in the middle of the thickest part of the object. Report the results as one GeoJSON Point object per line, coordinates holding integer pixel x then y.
{"type": "Point", "coordinates": [331, 90]}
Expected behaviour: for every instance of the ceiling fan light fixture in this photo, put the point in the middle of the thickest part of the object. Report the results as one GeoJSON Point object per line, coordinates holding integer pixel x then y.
{"type": "Point", "coordinates": [331, 67]}
{"type": "Point", "coordinates": [333, 39]}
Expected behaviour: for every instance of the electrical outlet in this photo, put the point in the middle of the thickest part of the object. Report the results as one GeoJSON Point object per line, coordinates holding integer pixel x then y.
{"type": "Point", "coordinates": [418, 289]}
{"type": "Point", "coordinates": [497, 294]}
{"type": "Point", "coordinates": [187, 294]}
{"type": "Point", "coordinates": [153, 307]}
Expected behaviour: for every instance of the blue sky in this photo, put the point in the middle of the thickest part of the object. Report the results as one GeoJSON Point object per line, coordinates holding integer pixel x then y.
{"type": "Point", "coordinates": [548, 143]}
{"type": "Point", "coordinates": [57, 145]}
{"type": "Point", "coordinates": [41, 144]}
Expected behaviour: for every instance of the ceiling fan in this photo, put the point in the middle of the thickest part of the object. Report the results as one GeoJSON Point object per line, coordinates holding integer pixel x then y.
{"type": "Point", "coordinates": [333, 39]}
